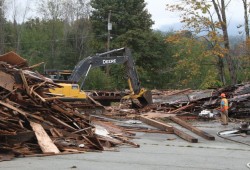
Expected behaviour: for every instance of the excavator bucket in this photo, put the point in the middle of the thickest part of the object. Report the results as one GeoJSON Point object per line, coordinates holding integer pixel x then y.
{"type": "Point", "coordinates": [144, 99]}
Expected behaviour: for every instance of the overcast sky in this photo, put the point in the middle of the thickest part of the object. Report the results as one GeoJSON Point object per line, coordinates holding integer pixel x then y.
{"type": "Point", "coordinates": [166, 20]}
{"type": "Point", "coordinates": [161, 17]}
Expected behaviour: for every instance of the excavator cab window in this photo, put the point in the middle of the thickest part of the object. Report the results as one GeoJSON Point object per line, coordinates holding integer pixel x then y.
{"type": "Point", "coordinates": [57, 74]}
{"type": "Point", "coordinates": [75, 86]}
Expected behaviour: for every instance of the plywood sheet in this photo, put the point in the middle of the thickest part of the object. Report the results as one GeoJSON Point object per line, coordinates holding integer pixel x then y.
{"type": "Point", "coordinates": [43, 139]}
{"type": "Point", "coordinates": [13, 59]}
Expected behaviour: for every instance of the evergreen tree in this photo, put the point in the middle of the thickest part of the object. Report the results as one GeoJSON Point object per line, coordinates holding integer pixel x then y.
{"type": "Point", "coordinates": [125, 16]}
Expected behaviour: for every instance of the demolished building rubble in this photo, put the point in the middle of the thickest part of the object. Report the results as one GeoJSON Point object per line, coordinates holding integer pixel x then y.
{"type": "Point", "coordinates": [195, 101]}
{"type": "Point", "coordinates": [34, 123]}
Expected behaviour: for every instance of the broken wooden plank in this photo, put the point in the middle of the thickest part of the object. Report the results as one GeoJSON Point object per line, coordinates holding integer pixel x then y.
{"type": "Point", "coordinates": [13, 108]}
{"type": "Point", "coordinates": [55, 132]}
{"type": "Point", "coordinates": [13, 59]}
{"type": "Point", "coordinates": [35, 65]}
{"type": "Point", "coordinates": [7, 81]}
{"type": "Point", "coordinates": [63, 123]}
{"type": "Point", "coordinates": [32, 92]}
{"type": "Point", "coordinates": [79, 131]}
{"type": "Point", "coordinates": [94, 141]}
{"type": "Point", "coordinates": [192, 128]}
{"type": "Point", "coordinates": [185, 136]}
{"type": "Point", "coordinates": [25, 83]}
{"type": "Point", "coordinates": [43, 139]}
{"type": "Point", "coordinates": [62, 110]}
{"type": "Point", "coordinates": [180, 109]}
{"type": "Point", "coordinates": [157, 124]}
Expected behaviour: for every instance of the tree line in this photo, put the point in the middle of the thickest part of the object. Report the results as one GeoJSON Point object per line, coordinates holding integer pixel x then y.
{"type": "Point", "coordinates": [61, 33]}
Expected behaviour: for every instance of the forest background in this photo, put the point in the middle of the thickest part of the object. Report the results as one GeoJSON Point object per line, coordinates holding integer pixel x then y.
{"type": "Point", "coordinates": [60, 33]}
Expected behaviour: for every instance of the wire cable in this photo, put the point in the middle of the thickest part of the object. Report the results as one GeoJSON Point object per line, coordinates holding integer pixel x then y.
{"type": "Point", "coordinates": [219, 134]}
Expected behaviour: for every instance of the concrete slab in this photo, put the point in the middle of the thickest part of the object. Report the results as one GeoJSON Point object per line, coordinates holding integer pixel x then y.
{"type": "Point", "coordinates": [157, 151]}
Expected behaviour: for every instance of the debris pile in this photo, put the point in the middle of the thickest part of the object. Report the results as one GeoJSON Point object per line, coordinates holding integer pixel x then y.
{"type": "Point", "coordinates": [241, 101]}
{"type": "Point", "coordinates": [32, 122]}
{"type": "Point", "coordinates": [193, 102]}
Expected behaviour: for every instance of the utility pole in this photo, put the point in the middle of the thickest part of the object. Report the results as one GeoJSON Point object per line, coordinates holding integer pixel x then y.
{"type": "Point", "coordinates": [108, 40]}
{"type": "Point", "coordinates": [109, 29]}
{"type": "Point", "coordinates": [1, 27]}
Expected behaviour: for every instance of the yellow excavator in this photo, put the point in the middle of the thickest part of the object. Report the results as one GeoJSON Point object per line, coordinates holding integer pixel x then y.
{"type": "Point", "coordinates": [72, 90]}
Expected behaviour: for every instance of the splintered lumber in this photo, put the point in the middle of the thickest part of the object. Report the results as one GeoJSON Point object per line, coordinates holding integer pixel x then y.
{"type": "Point", "coordinates": [13, 108]}
{"type": "Point", "coordinates": [63, 123]}
{"type": "Point", "coordinates": [157, 124]}
{"type": "Point", "coordinates": [25, 83]}
{"type": "Point", "coordinates": [43, 139]}
{"type": "Point", "coordinates": [32, 123]}
{"type": "Point", "coordinates": [192, 128]}
{"type": "Point", "coordinates": [185, 136]}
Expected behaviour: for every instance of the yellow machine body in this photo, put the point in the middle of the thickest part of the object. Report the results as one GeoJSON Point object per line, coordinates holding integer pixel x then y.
{"type": "Point", "coordinates": [69, 91]}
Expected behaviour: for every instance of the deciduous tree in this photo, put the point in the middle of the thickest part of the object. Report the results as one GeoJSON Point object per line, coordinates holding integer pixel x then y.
{"type": "Point", "coordinates": [198, 16]}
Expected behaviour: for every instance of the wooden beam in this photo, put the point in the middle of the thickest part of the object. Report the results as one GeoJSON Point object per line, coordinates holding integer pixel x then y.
{"type": "Point", "coordinates": [157, 124]}
{"type": "Point", "coordinates": [192, 128]}
{"type": "Point", "coordinates": [169, 128]}
{"type": "Point", "coordinates": [185, 136]}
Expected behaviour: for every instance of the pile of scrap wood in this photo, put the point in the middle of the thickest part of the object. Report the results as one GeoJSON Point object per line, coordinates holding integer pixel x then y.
{"type": "Point", "coordinates": [189, 101]}
{"type": "Point", "coordinates": [240, 100]}
{"type": "Point", "coordinates": [238, 97]}
{"type": "Point", "coordinates": [31, 122]}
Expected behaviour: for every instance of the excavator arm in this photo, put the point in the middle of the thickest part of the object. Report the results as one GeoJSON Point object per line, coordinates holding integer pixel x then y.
{"type": "Point", "coordinates": [82, 69]}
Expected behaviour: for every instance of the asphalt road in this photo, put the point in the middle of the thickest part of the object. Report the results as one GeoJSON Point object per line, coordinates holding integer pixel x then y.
{"type": "Point", "coordinates": [157, 151]}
